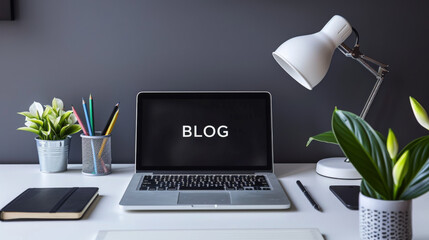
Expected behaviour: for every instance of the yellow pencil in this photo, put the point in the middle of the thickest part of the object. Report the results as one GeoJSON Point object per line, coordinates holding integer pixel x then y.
{"type": "Point", "coordinates": [109, 131]}
{"type": "Point", "coordinates": [112, 124]}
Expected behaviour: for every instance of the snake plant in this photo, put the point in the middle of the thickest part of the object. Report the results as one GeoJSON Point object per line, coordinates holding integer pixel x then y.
{"type": "Point", "coordinates": [387, 173]}
{"type": "Point", "coordinates": [50, 123]}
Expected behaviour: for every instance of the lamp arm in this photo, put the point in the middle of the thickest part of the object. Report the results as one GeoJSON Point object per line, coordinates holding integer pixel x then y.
{"type": "Point", "coordinates": [363, 60]}
{"type": "Point", "coordinates": [371, 96]}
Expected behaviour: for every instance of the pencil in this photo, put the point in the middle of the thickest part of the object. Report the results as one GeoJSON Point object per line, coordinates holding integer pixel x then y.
{"type": "Point", "coordinates": [110, 119]}
{"type": "Point", "coordinates": [85, 110]}
{"type": "Point", "coordinates": [109, 131]}
{"type": "Point", "coordinates": [91, 113]}
{"type": "Point", "coordinates": [79, 121]}
{"type": "Point", "coordinates": [91, 134]}
{"type": "Point", "coordinates": [93, 154]}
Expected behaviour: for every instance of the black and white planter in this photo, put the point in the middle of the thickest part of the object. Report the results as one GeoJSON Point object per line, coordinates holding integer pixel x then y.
{"type": "Point", "coordinates": [384, 219]}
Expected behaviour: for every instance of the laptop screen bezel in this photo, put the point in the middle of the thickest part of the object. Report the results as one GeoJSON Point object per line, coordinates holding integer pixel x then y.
{"type": "Point", "coordinates": [141, 96]}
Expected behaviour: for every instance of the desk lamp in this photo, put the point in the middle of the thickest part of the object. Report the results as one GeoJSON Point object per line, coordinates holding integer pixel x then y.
{"type": "Point", "coordinates": [307, 59]}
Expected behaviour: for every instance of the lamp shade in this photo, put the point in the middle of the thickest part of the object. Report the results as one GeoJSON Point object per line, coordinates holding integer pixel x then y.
{"type": "Point", "coordinates": [307, 58]}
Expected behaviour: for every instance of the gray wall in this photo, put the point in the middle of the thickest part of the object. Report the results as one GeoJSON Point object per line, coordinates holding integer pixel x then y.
{"type": "Point", "coordinates": [113, 49]}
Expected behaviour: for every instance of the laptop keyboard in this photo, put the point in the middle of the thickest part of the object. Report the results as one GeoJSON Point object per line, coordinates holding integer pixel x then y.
{"type": "Point", "coordinates": [204, 182]}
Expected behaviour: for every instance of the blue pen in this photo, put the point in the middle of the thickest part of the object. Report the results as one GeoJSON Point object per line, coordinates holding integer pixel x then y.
{"type": "Point", "coordinates": [91, 133]}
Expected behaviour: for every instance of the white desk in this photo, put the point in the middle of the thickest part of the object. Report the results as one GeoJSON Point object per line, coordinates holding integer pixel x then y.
{"type": "Point", "coordinates": [335, 222]}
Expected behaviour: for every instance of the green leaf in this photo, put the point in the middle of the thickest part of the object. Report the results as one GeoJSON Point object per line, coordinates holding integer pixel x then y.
{"type": "Point", "coordinates": [364, 189]}
{"type": "Point", "coordinates": [399, 171]}
{"type": "Point", "coordinates": [51, 121]}
{"type": "Point", "coordinates": [326, 137]}
{"type": "Point", "coordinates": [27, 114]}
{"type": "Point", "coordinates": [63, 130]}
{"type": "Point", "coordinates": [57, 121]}
{"type": "Point", "coordinates": [54, 112]}
{"type": "Point", "coordinates": [416, 182]}
{"type": "Point", "coordinates": [75, 128]}
{"type": "Point", "coordinates": [57, 124]}
{"type": "Point", "coordinates": [69, 130]}
{"type": "Point", "coordinates": [368, 191]}
{"type": "Point", "coordinates": [366, 150]}
{"type": "Point", "coordinates": [48, 110]}
{"type": "Point", "coordinates": [29, 129]}
{"type": "Point", "coordinates": [64, 117]}
{"type": "Point", "coordinates": [36, 121]}
{"type": "Point", "coordinates": [45, 124]}
{"type": "Point", "coordinates": [47, 132]}
{"type": "Point", "coordinates": [53, 129]}
{"type": "Point", "coordinates": [329, 137]}
{"type": "Point", "coordinates": [31, 125]}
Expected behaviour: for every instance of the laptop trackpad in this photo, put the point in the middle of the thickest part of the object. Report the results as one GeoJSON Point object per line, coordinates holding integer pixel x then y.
{"type": "Point", "coordinates": [204, 198]}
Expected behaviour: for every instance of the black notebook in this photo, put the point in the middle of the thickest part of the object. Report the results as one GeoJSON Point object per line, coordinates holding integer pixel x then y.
{"type": "Point", "coordinates": [50, 203]}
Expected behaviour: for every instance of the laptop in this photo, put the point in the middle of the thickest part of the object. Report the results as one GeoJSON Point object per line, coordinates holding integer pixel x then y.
{"type": "Point", "coordinates": [204, 151]}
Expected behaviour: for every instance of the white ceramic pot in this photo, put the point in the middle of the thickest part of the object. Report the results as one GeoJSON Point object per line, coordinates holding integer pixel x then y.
{"type": "Point", "coordinates": [384, 219]}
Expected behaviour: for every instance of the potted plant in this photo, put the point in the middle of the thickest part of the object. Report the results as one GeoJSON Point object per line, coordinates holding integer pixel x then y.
{"type": "Point", "coordinates": [53, 127]}
{"type": "Point", "coordinates": [390, 180]}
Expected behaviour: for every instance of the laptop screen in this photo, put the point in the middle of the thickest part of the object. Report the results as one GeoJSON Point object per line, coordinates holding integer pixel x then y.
{"type": "Point", "coordinates": [203, 131]}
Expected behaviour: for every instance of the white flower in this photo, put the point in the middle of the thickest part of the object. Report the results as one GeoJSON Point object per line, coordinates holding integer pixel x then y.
{"type": "Point", "coordinates": [57, 103]}
{"type": "Point", "coordinates": [72, 119]}
{"type": "Point", "coordinates": [36, 109]}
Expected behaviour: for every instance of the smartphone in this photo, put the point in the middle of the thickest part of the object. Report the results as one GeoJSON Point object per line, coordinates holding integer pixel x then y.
{"type": "Point", "coordinates": [347, 194]}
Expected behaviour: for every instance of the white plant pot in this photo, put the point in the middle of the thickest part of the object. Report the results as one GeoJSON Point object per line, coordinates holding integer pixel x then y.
{"type": "Point", "coordinates": [384, 219]}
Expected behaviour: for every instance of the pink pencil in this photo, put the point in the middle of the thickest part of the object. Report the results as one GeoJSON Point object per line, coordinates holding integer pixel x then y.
{"type": "Point", "coordinates": [79, 121]}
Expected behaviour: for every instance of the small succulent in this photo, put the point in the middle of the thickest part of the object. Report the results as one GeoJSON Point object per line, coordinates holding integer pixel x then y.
{"type": "Point", "coordinates": [50, 123]}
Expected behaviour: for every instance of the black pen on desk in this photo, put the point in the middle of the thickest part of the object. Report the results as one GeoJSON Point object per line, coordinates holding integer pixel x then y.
{"type": "Point", "coordinates": [308, 196]}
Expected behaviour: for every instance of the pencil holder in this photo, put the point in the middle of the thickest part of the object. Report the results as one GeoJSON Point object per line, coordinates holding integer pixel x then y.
{"type": "Point", "coordinates": [96, 155]}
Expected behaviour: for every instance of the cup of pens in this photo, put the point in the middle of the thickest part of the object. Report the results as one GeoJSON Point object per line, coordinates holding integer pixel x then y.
{"type": "Point", "coordinates": [96, 154]}
{"type": "Point", "coordinates": [96, 146]}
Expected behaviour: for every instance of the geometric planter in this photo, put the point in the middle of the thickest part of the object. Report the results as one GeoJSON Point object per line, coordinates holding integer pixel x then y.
{"type": "Point", "coordinates": [385, 219]}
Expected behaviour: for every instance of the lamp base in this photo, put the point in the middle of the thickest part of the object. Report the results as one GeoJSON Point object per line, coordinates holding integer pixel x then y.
{"type": "Point", "coordinates": [337, 167]}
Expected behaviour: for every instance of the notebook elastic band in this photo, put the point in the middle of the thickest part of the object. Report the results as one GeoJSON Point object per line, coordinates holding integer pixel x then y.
{"type": "Point", "coordinates": [62, 200]}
